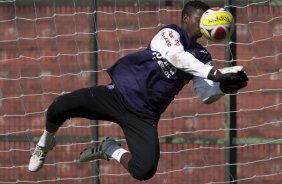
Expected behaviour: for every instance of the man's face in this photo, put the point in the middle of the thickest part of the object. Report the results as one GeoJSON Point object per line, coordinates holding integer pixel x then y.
{"type": "Point", "coordinates": [192, 24]}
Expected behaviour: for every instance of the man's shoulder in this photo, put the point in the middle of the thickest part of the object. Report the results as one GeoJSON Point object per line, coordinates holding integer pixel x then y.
{"type": "Point", "coordinates": [201, 48]}
{"type": "Point", "coordinates": [203, 54]}
{"type": "Point", "coordinates": [173, 27]}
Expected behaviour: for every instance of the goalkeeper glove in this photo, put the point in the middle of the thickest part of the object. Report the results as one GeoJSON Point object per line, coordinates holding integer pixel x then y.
{"type": "Point", "coordinates": [221, 75]}
{"type": "Point", "coordinates": [230, 86]}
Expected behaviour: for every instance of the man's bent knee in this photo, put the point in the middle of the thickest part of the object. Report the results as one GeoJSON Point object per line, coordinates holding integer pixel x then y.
{"type": "Point", "coordinates": [142, 172]}
{"type": "Point", "coordinates": [55, 112]}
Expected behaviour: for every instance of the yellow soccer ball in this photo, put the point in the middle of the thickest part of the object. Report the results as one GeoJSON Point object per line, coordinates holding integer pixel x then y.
{"type": "Point", "coordinates": [217, 24]}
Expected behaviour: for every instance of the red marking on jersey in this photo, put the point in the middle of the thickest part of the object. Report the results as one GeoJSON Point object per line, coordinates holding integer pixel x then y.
{"type": "Point", "coordinates": [177, 42]}
{"type": "Point", "coordinates": [166, 39]}
{"type": "Point", "coordinates": [170, 33]}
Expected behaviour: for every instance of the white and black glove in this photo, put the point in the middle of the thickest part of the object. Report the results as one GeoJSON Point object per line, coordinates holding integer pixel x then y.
{"type": "Point", "coordinates": [231, 79]}
{"type": "Point", "coordinates": [221, 75]}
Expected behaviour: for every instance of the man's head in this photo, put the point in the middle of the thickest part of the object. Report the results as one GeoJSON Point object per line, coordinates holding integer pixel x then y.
{"type": "Point", "coordinates": [191, 15]}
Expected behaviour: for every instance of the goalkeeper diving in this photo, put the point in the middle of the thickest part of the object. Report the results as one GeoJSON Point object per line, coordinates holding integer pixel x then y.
{"type": "Point", "coordinates": [143, 85]}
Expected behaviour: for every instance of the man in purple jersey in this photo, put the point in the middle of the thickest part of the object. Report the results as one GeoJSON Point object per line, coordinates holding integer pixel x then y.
{"type": "Point", "coordinates": [143, 85]}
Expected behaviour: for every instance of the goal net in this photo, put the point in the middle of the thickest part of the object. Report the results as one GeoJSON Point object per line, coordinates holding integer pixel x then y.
{"type": "Point", "coordinates": [49, 48]}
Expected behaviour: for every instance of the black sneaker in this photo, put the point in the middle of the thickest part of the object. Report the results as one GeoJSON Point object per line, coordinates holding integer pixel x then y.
{"type": "Point", "coordinates": [97, 152]}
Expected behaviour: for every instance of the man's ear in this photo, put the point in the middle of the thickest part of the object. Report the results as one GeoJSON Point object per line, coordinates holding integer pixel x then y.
{"type": "Point", "coordinates": [186, 19]}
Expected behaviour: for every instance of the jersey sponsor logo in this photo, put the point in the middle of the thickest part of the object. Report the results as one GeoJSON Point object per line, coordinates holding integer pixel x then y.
{"type": "Point", "coordinates": [203, 51]}
{"type": "Point", "coordinates": [177, 42]}
{"type": "Point", "coordinates": [167, 41]}
{"type": "Point", "coordinates": [170, 39]}
{"type": "Point", "coordinates": [167, 68]}
{"type": "Point", "coordinates": [110, 86]}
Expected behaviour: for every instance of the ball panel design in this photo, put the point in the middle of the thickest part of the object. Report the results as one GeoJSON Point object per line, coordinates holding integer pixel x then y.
{"type": "Point", "coordinates": [217, 24]}
{"type": "Point", "coordinates": [219, 33]}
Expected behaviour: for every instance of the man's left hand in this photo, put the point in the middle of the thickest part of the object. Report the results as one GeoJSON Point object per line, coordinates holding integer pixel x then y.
{"type": "Point", "coordinates": [230, 86]}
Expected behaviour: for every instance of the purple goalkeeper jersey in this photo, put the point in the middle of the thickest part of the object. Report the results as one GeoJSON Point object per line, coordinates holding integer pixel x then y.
{"type": "Point", "coordinates": [148, 82]}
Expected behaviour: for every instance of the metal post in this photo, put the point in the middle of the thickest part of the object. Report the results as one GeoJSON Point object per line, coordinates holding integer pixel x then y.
{"type": "Point", "coordinates": [93, 76]}
{"type": "Point", "coordinates": [230, 107]}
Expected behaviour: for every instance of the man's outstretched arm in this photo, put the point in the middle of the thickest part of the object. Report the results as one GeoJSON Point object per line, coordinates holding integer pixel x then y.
{"type": "Point", "coordinates": [167, 43]}
{"type": "Point", "coordinates": [210, 91]}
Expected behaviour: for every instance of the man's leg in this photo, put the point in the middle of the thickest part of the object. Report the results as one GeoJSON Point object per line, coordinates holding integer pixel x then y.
{"type": "Point", "coordinates": [141, 136]}
{"type": "Point", "coordinates": [57, 113]}
{"type": "Point", "coordinates": [143, 143]}
{"type": "Point", "coordinates": [125, 158]}
{"type": "Point", "coordinates": [46, 143]}
{"type": "Point", "coordinates": [48, 134]}
{"type": "Point", "coordinates": [91, 103]}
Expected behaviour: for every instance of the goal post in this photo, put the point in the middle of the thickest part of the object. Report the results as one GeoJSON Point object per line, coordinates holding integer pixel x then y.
{"type": "Point", "coordinates": [93, 58]}
{"type": "Point", "coordinates": [51, 47]}
{"type": "Point", "coordinates": [230, 107]}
